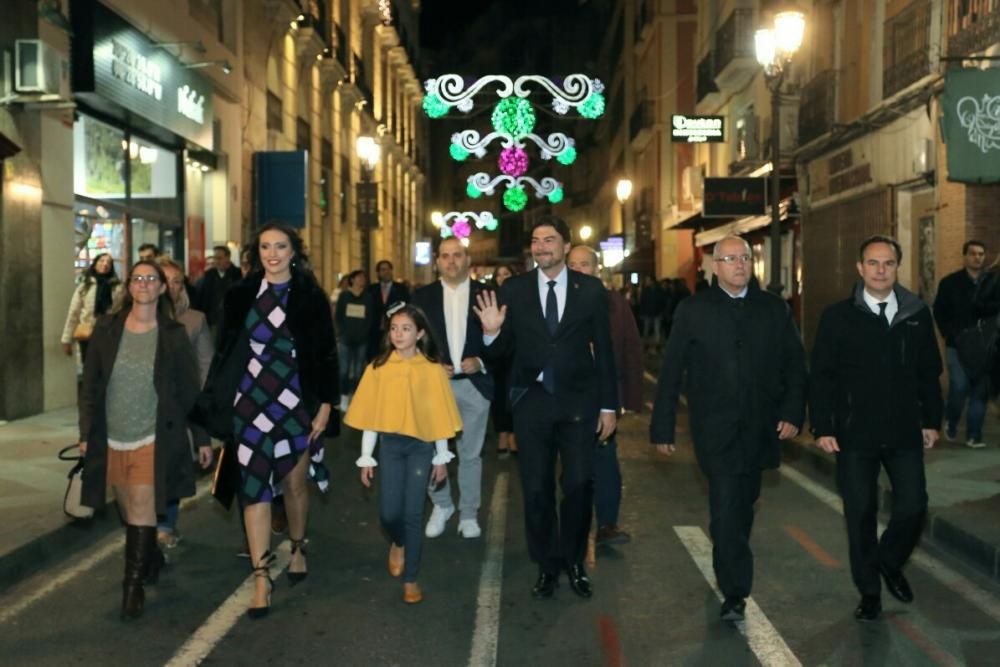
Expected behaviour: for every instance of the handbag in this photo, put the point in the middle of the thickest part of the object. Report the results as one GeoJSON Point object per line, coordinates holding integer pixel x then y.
{"type": "Point", "coordinates": [977, 348]}
{"type": "Point", "coordinates": [72, 505]}
{"type": "Point", "coordinates": [83, 331]}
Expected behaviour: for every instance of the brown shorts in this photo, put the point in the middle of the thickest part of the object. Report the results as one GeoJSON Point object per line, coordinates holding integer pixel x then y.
{"type": "Point", "coordinates": [132, 467]}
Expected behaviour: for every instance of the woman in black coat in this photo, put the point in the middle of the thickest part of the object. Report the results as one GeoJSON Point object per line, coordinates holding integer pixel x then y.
{"type": "Point", "coordinates": [271, 392]}
{"type": "Point", "coordinates": [139, 383]}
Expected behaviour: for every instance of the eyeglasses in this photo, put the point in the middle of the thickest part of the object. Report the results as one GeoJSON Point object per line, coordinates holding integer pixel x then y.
{"type": "Point", "coordinates": [140, 279]}
{"type": "Point", "coordinates": [733, 259]}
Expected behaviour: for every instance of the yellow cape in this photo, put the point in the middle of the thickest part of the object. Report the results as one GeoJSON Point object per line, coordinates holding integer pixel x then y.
{"type": "Point", "coordinates": [408, 396]}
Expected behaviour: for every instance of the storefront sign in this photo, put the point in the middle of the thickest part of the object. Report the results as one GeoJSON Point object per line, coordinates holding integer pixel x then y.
{"type": "Point", "coordinates": [118, 68]}
{"type": "Point", "coordinates": [734, 197]}
{"type": "Point", "coordinates": [696, 129]}
{"type": "Point", "coordinates": [971, 124]}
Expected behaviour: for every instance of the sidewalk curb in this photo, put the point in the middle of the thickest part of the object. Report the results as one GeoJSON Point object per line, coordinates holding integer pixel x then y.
{"type": "Point", "coordinates": [956, 540]}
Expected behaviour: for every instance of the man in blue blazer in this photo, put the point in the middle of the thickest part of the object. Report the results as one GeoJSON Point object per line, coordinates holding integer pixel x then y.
{"type": "Point", "coordinates": [455, 326]}
{"type": "Point", "coordinates": [554, 323]}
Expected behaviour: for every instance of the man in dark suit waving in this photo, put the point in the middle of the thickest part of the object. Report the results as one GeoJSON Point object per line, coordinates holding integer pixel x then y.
{"type": "Point", "coordinates": [448, 304]}
{"type": "Point", "coordinates": [554, 323]}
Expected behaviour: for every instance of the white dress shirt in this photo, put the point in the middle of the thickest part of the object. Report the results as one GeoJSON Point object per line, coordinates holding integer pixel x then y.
{"type": "Point", "coordinates": [456, 319]}
{"type": "Point", "coordinates": [891, 308]}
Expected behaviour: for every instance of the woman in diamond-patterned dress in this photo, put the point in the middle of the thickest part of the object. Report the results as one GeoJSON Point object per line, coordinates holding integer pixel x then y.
{"type": "Point", "coordinates": [277, 333]}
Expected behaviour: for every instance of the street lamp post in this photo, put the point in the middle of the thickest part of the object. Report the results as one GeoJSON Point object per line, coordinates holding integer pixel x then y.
{"type": "Point", "coordinates": [775, 48]}
{"type": "Point", "coordinates": [367, 200]}
{"type": "Point", "coordinates": [623, 191]}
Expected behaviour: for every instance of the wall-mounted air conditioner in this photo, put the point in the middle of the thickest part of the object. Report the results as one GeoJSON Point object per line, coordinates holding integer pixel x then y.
{"type": "Point", "coordinates": [39, 69]}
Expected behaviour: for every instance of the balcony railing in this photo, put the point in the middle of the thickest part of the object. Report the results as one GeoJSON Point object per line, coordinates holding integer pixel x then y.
{"type": "Point", "coordinates": [973, 26]}
{"type": "Point", "coordinates": [907, 38]}
{"type": "Point", "coordinates": [706, 77]}
{"type": "Point", "coordinates": [816, 106]}
{"type": "Point", "coordinates": [642, 118]}
{"type": "Point", "coordinates": [734, 39]}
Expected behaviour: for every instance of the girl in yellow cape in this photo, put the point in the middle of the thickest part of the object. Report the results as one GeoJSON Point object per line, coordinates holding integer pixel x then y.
{"type": "Point", "coordinates": [404, 396]}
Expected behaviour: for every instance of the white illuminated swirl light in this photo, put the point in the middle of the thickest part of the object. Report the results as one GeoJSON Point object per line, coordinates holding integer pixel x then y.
{"type": "Point", "coordinates": [481, 219]}
{"type": "Point", "coordinates": [471, 142]}
{"type": "Point", "coordinates": [576, 89]}
{"type": "Point", "coordinates": [450, 88]}
{"type": "Point", "coordinates": [552, 146]}
{"type": "Point", "coordinates": [487, 185]}
{"type": "Point", "coordinates": [547, 186]}
{"type": "Point", "coordinates": [982, 121]}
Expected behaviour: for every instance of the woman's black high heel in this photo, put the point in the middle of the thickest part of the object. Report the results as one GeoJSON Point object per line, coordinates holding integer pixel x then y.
{"type": "Point", "coordinates": [298, 546]}
{"type": "Point", "coordinates": [263, 570]}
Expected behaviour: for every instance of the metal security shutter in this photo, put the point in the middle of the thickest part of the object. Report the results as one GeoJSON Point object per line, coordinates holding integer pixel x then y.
{"type": "Point", "coordinates": [830, 239]}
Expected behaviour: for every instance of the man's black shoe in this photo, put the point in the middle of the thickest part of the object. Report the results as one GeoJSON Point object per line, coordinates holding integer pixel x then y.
{"type": "Point", "coordinates": [869, 608]}
{"type": "Point", "coordinates": [733, 609]}
{"type": "Point", "coordinates": [579, 581]}
{"type": "Point", "coordinates": [896, 584]}
{"type": "Point", "coordinates": [545, 586]}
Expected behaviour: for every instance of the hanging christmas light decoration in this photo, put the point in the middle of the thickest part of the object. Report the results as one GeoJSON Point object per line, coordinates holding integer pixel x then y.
{"type": "Point", "coordinates": [458, 153]}
{"type": "Point", "coordinates": [514, 116]}
{"type": "Point", "coordinates": [513, 161]}
{"type": "Point", "coordinates": [576, 89]}
{"type": "Point", "coordinates": [434, 107]}
{"type": "Point", "coordinates": [461, 228]}
{"type": "Point", "coordinates": [457, 223]}
{"type": "Point", "coordinates": [515, 199]}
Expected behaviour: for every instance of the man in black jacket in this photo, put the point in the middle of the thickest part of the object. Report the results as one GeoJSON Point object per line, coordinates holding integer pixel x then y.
{"type": "Point", "coordinates": [455, 326]}
{"type": "Point", "coordinates": [554, 323]}
{"type": "Point", "coordinates": [385, 291]}
{"type": "Point", "coordinates": [746, 377]}
{"type": "Point", "coordinates": [215, 283]}
{"type": "Point", "coordinates": [955, 311]}
{"type": "Point", "coordinates": [875, 401]}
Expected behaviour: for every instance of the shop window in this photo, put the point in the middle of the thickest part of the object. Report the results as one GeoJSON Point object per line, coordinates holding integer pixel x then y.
{"type": "Point", "coordinates": [99, 168]}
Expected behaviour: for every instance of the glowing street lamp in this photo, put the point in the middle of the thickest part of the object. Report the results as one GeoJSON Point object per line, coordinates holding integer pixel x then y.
{"type": "Point", "coordinates": [437, 218]}
{"type": "Point", "coordinates": [623, 191]}
{"type": "Point", "coordinates": [586, 232]}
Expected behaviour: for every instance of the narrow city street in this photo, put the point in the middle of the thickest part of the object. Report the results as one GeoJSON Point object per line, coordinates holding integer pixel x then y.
{"type": "Point", "coordinates": [654, 601]}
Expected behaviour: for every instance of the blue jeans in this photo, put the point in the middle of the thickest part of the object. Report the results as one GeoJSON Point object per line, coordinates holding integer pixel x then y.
{"type": "Point", "coordinates": [607, 483]}
{"type": "Point", "coordinates": [352, 360]}
{"type": "Point", "coordinates": [167, 523]}
{"type": "Point", "coordinates": [960, 388]}
{"type": "Point", "coordinates": [405, 466]}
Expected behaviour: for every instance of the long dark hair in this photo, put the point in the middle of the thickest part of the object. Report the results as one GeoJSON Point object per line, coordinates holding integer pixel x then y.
{"type": "Point", "coordinates": [426, 344]}
{"type": "Point", "coordinates": [300, 266]}
{"type": "Point", "coordinates": [510, 268]}
{"type": "Point", "coordinates": [91, 275]}
{"type": "Point", "coordinates": [164, 305]}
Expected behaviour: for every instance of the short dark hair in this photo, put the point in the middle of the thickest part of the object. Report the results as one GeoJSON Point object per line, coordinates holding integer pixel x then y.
{"type": "Point", "coordinates": [150, 246]}
{"type": "Point", "coordinates": [880, 238]}
{"type": "Point", "coordinates": [972, 242]}
{"type": "Point", "coordinates": [379, 264]}
{"type": "Point", "coordinates": [224, 249]}
{"type": "Point", "coordinates": [352, 275]}
{"type": "Point", "coordinates": [427, 345]}
{"type": "Point", "coordinates": [555, 223]}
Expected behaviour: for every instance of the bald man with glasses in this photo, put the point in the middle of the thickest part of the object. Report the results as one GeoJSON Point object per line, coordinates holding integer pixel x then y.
{"type": "Point", "coordinates": [740, 351]}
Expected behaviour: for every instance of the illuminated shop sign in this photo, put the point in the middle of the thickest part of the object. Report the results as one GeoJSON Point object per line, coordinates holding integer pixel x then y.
{"type": "Point", "coordinates": [696, 129]}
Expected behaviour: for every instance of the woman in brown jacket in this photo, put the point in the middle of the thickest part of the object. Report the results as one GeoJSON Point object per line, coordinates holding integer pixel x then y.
{"type": "Point", "coordinates": [139, 383]}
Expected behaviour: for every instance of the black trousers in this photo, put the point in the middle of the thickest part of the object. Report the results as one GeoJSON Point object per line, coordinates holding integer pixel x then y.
{"type": "Point", "coordinates": [731, 497]}
{"type": "Point", "coordinates": [857, 479]}
{"type": "Point", "coordinates": [549, 426]}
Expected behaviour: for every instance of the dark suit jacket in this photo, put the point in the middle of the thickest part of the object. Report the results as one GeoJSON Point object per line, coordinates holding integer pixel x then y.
{"type": "Point", "coordinates": [745, 371]}
{"type": "Point", "coordinates": [580, 352]}
{"type": "Point", "coordinates": [175, 376]}
{"type": "Point", "coordinates": [397, 292]}
{"type": "Point", "coordinates": [311, 325]}
{"type": "Point", "coordinates": [430, 299]}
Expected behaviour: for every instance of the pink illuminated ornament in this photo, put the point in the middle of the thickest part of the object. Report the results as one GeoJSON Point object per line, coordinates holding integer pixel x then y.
{"type": "Point", "coordinates": [461, 228]}
{"type": "Point", "coordinates": [513, 161]}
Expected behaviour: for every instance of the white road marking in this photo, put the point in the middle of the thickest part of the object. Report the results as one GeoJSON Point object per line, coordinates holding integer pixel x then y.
{"type": "Point", "coordinates": [487, 631]}
{"type": "Point", "coordinates": [763, 639]}
{"type": "Point", "coordinates": [110, 545]}
{"type": "Point", "coordinates": [201, 644]}
{"type": "Point", "coordinates": [974, 594]}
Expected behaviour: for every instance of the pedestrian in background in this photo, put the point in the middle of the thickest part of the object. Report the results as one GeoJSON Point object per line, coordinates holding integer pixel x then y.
{"type": "Point", "coordinates": [354, 320]}
{"type": "Point", "coordinates": [875, 402]}
{"type": "Point", "coordinates": [448, 305]}
{"type": "Point", "coordinates": [148, 252]}
{"type": "Point", "coordinates": [651, 303]}
{"type": "Point", "coordinates": [385, 291]}
{"type": "Point", "coordinates": [955, 311]}
{"type": "Point", "coordinates": [742, 357]}
{"type": "Point", "coordinates": [627, 346]}
{"type": "Point", "coordinates": [217, 280]}
{"type": "Point", "coordinates": [139, 384]}
{"type": "Point", "coordinates": [503, 422]}
{"type": "Point", "coordinates": [273, 383]}
{"type": "Point", "coordinates": [201, 340]}
{"type": "Point", "coordinates": [96, 294]}
{"type": "Point", "coordinates": [405, 399]}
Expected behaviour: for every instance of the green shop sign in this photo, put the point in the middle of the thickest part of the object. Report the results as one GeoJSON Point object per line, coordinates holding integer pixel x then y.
{"type": "Point", "coordinates": [115, 63]}
{"type": "Point", "coordinates": [971, 124]}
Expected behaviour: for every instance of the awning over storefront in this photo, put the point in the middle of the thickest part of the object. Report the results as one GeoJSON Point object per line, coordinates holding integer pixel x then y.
{"type": "Point", "coordinates": [741, 226]}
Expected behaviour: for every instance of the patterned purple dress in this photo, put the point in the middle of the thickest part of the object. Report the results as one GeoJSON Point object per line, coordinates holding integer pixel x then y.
{"type": "Point", "coordinates": [270, 420]}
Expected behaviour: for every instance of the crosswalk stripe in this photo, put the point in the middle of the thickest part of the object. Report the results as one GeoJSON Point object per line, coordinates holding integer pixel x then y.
{"type": "Point", "coordinates": [763, 639]}
{"type": "Point", "coordinates": [974, 594]}
{"type": "Point", "coordinates": [201, 644]}
{"type": "Point", "coordinates": [485, 637]}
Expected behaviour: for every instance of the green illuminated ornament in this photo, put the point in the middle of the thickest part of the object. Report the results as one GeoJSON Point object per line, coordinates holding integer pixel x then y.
{"type": "Point", "coordinates": [593, 106]}
{"type": "Point", "coordinates": [515, 199]}
{"type": "Point", "coordinates": [514, 116]}
{"type": "Point", "coordinates": [458, 153]}
{"type": "Point", "coordinates": [568, 156]}
{"type": "Point", "coordinates": [472, 191]}
{"type": "Point", "coordinates": [556, 196]}
{"type": "Point", "coordinates": [434, 107]}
